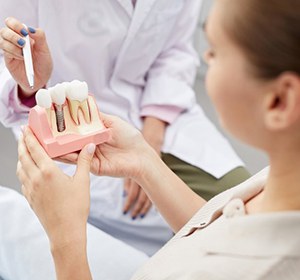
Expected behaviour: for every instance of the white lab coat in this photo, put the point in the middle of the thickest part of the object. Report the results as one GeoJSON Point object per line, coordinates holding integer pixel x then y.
{"type": "Point", "coordinates": [132, 60]}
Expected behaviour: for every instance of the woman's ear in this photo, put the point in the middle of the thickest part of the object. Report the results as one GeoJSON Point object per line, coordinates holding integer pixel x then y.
{"type": "Point", "coordinates": [282, 103]}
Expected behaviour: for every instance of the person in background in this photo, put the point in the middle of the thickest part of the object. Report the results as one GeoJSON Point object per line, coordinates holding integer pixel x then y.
{"type": "Point", "coordinates": [139, 62]}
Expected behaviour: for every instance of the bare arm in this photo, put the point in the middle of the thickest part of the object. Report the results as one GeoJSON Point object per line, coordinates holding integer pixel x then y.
{"type": "Point", "coordinates": [174, 200]}
{"type": "Point", "coordinates": [71, 260]}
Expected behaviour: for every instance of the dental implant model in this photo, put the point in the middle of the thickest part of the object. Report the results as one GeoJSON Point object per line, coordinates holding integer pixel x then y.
{"type": "Point", "coordinates": [43, 99]}
{"type": "Point", "coordinates": [77, 95]}
{"type": "Point", "coordinates": [66, 118]}
{"type": "Point", "coordinates": [58, 96]}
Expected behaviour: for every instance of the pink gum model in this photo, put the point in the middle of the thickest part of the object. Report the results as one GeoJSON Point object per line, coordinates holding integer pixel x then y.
{"type": "Point", "coordinates": [43, 124]}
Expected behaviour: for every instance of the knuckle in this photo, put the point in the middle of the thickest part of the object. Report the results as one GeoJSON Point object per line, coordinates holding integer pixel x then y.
{"type": "Point", "coordinates": [143, 199]}
{"type": "Point", "coordinates": [47, 172]}
{"type": "Point", "coordinates": [21, 157]}
{"type": "Point", "coordinates": [41, 33]}
{"type": "Point", "coordinates": [18, 172]}
{"type": "Point", "coordinates": [8, 20]}
{"type": "Point", "coordinates": [129, 201]}
{"type": "Point", "coordinates": [29, 143]}
{"type": "Point", "coordinates": [4, 46]}
{"type": "Point", "coordinates": [131, 196]}
{"type": "Point", "coordinates": [139, 204]}
{"type": "Point", "coordinates": [35, 181]}
{"type": "Point", "coordinates": [24, 191]}
{"type": "Point", "coordinates": [4, 33]}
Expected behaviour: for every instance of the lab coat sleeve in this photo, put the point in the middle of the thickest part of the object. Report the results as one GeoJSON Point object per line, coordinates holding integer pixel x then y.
{"type": "Point", "coordinates": [166, 113]}
{"type": "Point", "coordinates": [171, 77]}
{"type": "Point", "coordinates": [12, 111]}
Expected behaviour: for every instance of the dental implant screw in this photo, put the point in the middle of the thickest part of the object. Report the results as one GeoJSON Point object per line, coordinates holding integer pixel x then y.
{"type": "Point", "coordinates": [60, 119]}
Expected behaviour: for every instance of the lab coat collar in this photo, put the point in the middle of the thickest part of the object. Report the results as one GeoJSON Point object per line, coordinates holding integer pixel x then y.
{"type": "Point", "coordinates": [138, 16]}
{"type": "Point", "coordinates": [142, 8]}
{"type": "Point", "coordinates": [128, 6]}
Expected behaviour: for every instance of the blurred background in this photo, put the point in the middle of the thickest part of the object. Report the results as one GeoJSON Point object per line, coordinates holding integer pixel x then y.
{"type": "Point", "coordinates": [253, 159]}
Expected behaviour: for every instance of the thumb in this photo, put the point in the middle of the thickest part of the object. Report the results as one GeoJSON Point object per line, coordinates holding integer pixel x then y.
{"type": "Point", "coordinates": [84, 161]}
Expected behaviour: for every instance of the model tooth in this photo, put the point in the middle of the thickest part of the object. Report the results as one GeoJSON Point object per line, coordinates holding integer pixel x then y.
{"type": "Point", "coordinates": [43, 99]}
{"type": "Point", "coordinates": [73, 107]}
{"type": "Point", "coordinates": [78, 90]}
{"type": "Point", "coordinates": [84, 106]}
{"type": "Point", "coordinates": [58, 94]}
{"type": "Point", "coordinates": [78, 99]}
{"type": "Point", "coordinates": [66, 86]}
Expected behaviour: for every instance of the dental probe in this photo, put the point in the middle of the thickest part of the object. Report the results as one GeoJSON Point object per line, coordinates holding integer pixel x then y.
{"type": "Point", "coordinates": [28, 61]}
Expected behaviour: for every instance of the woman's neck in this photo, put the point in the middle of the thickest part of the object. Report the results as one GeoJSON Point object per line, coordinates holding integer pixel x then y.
{"type": "Point", "coordinates": [282, 189]}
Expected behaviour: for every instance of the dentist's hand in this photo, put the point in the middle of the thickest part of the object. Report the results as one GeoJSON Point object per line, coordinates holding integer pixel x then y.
{"type": "Point", "coordinates": [12, 40]}
{"type": "Point", "coordinates": [137, 200]}
{"type": "Point", "coordinates": [60, 202]}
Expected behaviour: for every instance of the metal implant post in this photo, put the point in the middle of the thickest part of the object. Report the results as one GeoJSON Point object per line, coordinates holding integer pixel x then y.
{"type": "Point", "coordinates": [60, 119]}
{"type": "Point", "coordinates": [58, 95]}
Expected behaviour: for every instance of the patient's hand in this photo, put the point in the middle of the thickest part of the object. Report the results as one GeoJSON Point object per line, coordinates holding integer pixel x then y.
{"type": "Point", "coordinates": [60, 202]}
{"type": "Point", "coordinates": [124, 155]}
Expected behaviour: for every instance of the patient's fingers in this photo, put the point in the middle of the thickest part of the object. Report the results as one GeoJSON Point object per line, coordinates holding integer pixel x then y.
{"type": "Point", "coordinates": [70, 158]}
{"type": "Point", "coordinates": [38, 154]}
{"type": "Point", "coordinates": [25, 160]}
{"type": "Point", "coordinates": [21, 173]}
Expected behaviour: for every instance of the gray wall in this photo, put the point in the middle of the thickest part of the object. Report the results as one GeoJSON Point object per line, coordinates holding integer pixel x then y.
{"type": "Point", "coordinates": [8, 159]}
{"type": "Point", "coordinates": [254, 159]}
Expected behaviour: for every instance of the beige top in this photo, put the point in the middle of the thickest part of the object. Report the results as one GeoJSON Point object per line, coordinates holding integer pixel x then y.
{"type": "Point", "coordinates": [222, 242]}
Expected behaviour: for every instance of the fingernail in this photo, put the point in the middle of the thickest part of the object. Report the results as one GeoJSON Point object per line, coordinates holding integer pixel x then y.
{"type": "Point", "coordinates": [24, 32]}
{"type": "Point", "coordinates": [31, 30]}
{"type": "Point", "coordinates": [142, 216]}
{"type": "Point", "coordinates": [124, 212]}
{"type": "Point", "coordinates": [21, 42]}
{"type": "Point", "coordinates": [124, 193]}
{"type": "Point", "coordinates": [91, 148]}
{"type": "Point", "coordinates": [133, 218]}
